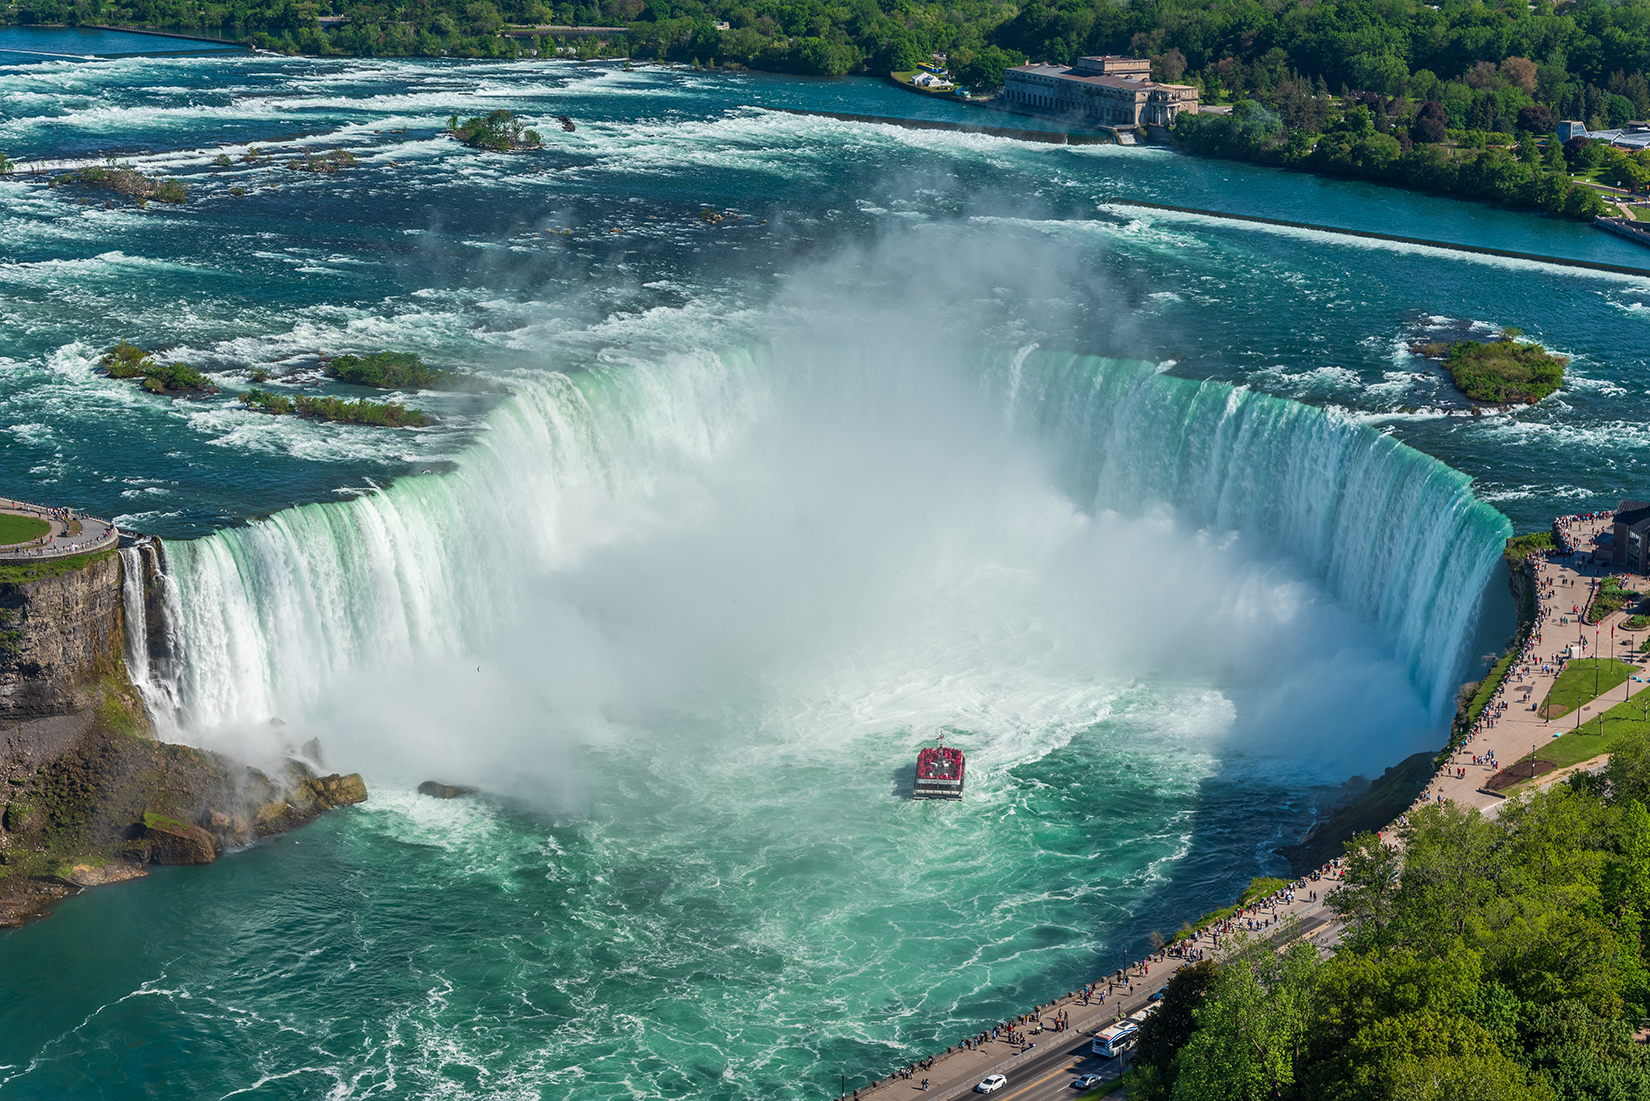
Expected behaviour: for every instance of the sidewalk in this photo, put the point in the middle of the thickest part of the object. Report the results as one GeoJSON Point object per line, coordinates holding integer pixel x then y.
{"type": "Point", "coordinates": [1563, 584]}
{"type": "Point", "coordinates": [954, 1075]}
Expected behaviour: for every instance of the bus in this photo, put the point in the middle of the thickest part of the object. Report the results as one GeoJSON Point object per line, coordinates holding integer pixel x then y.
{"type": "Point", "coordinates": [1115, 1040]}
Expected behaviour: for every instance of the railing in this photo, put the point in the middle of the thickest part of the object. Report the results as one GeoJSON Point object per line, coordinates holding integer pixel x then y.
{"type": "Point", "coordinates": [95, 534]}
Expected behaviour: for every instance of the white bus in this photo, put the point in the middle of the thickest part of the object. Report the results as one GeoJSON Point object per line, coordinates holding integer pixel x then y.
{"type": "Point", "coordinates": [1115, 1040]}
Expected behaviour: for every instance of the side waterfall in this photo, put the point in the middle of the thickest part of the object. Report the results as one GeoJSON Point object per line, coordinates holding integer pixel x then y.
{"type": "Point", "coordinates": [268, 613]}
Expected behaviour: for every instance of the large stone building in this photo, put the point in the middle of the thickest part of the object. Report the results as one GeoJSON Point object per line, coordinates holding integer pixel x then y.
{"type": "Point", "coordinates": [1630, 537]}
{"type": "Point", "coordinates": [1101, 91]}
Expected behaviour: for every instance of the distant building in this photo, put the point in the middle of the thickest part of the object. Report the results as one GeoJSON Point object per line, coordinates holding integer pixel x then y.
{"type": "Point", "coordinates": [1630, 537]}
{"type": "Point", "coordinates": [1101, 91]}
{"type": "Point", "coordinates": [1568, 130]}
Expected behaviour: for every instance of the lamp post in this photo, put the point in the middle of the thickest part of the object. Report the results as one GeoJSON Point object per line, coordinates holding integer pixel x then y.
{"type": "Point", "coordinates": [1532, 762]}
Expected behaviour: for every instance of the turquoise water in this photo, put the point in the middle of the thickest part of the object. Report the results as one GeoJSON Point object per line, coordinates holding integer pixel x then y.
{"type": "Point", "coordinates": [1152, 513]}
{"type": "Point", "coordinates": [81, 43]}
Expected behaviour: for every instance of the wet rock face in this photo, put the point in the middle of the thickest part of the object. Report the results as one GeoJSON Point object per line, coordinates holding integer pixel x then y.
{"type": "Point", "coordinates": [58, 635]}
{"type": "Point", "coordinates": [174, 842]}
{"type": "Point", "coordinates": [312, 797]}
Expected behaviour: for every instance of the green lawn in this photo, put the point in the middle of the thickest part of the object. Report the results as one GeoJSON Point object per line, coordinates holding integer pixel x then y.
{"type": "Point", "coordinates": [20, 529]}
{"type": "Point", "coordinates": [1574, 686]}
{"type": "Point", "coordinates": [1588, 742]}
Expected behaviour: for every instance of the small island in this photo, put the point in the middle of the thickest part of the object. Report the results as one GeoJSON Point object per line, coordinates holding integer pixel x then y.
{"type": "Point", "coordinates": [327, 163]}
{"type": "Point", "coordinates": [499, 132]}
{"type": "Point", "coordinates": [126, 360]}
{"type": "Point", "coordinates": [390, 371]}
{"type": "Point", "coordinates": [1500, 372]}
{"type": "Point", "coordinates": [126, 181]}
{"type": "Point", "coordinates": [391, 414]}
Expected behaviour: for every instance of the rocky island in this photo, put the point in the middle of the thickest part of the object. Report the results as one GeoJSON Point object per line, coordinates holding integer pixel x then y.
{"type": "Point", "coordinates": [126, 360]}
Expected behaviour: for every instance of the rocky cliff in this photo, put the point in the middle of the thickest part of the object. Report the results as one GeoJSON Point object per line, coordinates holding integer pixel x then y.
{"type": "Point", "coordinates": [60, 634]}
{"type": "Point", "coordinates": [86, 795]}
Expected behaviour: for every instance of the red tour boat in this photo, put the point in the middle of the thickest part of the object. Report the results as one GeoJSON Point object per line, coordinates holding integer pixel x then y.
{"type": "Point", "coordinates": [939, 772]}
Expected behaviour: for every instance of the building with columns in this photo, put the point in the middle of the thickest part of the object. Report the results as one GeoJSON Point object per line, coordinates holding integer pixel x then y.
{"type": "Point", "coordinates": [1100, 91]}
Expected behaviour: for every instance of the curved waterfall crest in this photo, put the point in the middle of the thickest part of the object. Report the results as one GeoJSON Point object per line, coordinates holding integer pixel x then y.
{"type": "Point", "coordinates": [1396, 535]}
{"type": "Point", "coordinates": [269, 613]}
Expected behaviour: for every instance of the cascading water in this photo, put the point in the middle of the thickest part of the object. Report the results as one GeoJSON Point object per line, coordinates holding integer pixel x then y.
{"type": "Point", "coordinates": [1398, 536]}
{"type": "Point", "coordinates": [269, 614]}
{"type": "Point", "coordinates": [151, 647]}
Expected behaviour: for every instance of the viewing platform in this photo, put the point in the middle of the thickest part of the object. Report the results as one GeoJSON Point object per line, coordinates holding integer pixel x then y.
{"type": "Point", "coordinates": [65, 533]}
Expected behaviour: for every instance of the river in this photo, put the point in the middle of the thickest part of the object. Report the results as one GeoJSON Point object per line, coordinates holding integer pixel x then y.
{"type": "Point", "coordinates": [1153, 514]}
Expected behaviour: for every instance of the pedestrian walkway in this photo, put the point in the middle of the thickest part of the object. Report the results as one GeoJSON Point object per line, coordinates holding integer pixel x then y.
{"type": "Point", "coordinates": [1022, 1048]}
{"type": "Point", "coordinates": [71, 533]}
{"type": "Point", "coordinates": [1511, 724]}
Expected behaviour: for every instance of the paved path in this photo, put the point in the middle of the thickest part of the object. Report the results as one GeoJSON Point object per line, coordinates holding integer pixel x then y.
{"type": "Point", "coordinates": [1045, 1071]}
{"type": "Point", "coordinates": [71, 533]}
{"type": "Point", "coordinates": [1564, 584]}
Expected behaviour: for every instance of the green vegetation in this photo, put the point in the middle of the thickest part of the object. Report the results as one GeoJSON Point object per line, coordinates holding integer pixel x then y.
{"type": "Point", "coordinates": [1495, 960]}
{"type": "Point", "coordinates": [389, 371]}
{"type": "Point", "coordinates": [335, 161]}
{"type": "Point", "coordinates": [268, 402]}
{"type": "Point", "coordinates": [1576, 685]}
{"type": "Point", "coordinates": [1485, 690]}
{"type": "Point", "coordinates": [1520, 547]}
{"type": "Point", "coordinates": [126, 181]}
{"type": "Point", "coordinates": [126, 360]}
{"type": "Point", "coordinates": [1612, 597]}
{"type": "Point", "coordinates": [20, 529]}
{"type": "Point", "coordinates": [1504, 371]}
{"type": "Point", "coordinates": [382, 414]}
{"type": "Point", "coordinates": [500, 132]}
{"type": "Point", "coordinates": [1259, 887]}
{"type": "Point", "coordinates": [19, 573]}
{"type": "Point", "coordinates": [1601, 733]}
{"type": "Point", "coordinates": [1636, 622]}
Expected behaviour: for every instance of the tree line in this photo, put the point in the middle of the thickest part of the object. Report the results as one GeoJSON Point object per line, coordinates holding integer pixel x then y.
{"type": "Point", "coordinates": [1498, 959]}
{"type": "Point", "coordinates": [1585, 59]}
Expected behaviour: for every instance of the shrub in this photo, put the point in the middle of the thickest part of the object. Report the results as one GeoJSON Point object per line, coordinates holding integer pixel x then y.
{"type": "Point", "coordinates": [1504, 371]}
{"type": "Point", "coordinates": [387, 371]}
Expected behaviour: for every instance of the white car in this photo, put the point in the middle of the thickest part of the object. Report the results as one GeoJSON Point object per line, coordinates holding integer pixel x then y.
{"type": "Point", "coordinates": [991, 1084]}
{"type": "Point", "coordinates": [1088, 1082]}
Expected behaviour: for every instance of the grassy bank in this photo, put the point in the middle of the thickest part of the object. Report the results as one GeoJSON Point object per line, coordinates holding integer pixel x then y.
{"type": "Point", "coordinates": [15, 574]}
{"type": "Point", "coordinates": [1583, 681]}
{"type": "Point", "coordinates": [20, 529]}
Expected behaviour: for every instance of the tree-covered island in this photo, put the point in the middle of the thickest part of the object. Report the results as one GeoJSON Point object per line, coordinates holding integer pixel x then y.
{"type": "Point", "coordinates": [125, 181]}
{"type": "Point", "coordinates": [390, 414]}
{"type": "Point", "coordinates": [499, 132]}
{"type": "Point", "coordinates": [126, 360]}
{"type": "Point", "coordinates": [1499, 372]}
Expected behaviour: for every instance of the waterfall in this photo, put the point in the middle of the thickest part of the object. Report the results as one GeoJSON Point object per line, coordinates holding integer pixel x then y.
{"type": "Point", "coordinates": [151, 640]}
{"type": "Point", "coordinates": [1396, 535]}
{"type": "Point", "coordinates": [267, 614]}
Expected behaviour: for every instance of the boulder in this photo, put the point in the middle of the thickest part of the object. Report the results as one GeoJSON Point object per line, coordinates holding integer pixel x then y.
{"type": "Point", "coordinates": [93, 875]}
{"type": "Point", "coordinates": [174, 842]}
{"type": "Point", "coordinates": [437, 790]}
{"type": "Point", "coordinates": [339, 791]}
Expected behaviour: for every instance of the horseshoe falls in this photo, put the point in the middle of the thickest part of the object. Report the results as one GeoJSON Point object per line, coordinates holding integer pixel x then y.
{"type": "Point", "coordinates": [1154, 515]}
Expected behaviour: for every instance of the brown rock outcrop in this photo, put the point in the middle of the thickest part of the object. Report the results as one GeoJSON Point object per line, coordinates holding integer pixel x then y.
{"type": "Point", "coordinates": [60, 633]}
